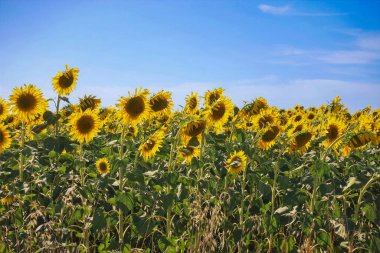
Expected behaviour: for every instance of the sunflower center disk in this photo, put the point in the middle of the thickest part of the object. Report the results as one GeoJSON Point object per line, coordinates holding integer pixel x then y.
{"type": "Point", "coordinates": [218, 113]}
{"type": "Point", "coordinates": [303, 139]}
{"type": "Point", "coordinates": [159, 104]}
{"type": "Point", "coordinates": [194, 129]}
{"type": "Point", "coordinates": [66, 80]}
{"type": "Point", "coordinates": [103, 166]}
{"type": "Point", "coordinates": [1, 109]}
{"type": "Point", "coordinates": [263, 121]}
{"type": "Point", "coordinates": [193, 103]}
{"type": "Point", "coordinates": [150, 145]}
{"type": "Point", "coordinates": [135, 106]}
{"type": "Point", "coordinates": [332, 133]}
{"type": "Point", "coordinates": [1, 137]}
{"type": "Point", "coordinates": [26, 102]}
{"type": "Point", "coordinates": [271, 134]}
{"type": "Point", "coordinates": [85, 124]}
{"type": "Point", "coordinates": [213, 98]}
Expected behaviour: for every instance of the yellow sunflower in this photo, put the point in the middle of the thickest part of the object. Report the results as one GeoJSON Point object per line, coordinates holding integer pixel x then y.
{"type": "Point", "coordinates": [161, 103]}
{"type": "Point", "coordinates": [103, 166]}
{"type": "Point", "coordinates": [192, 129]}
{"type": "Point", "coordinates": [4, 108]}
{"type": "Point", "coordinates": [360, 140]}
{"type": "Point", "coordinates": [237, 162]}
{"type": "Point", "coordinates": [7, 200]}
{"type": "Point", "coordinates": [218, 113]}
{"type": "Point", "coordinates": [64, 82]}
{"type": "Point", "coordinates": [212, 96]}
{"type": "Point", "coordinates": [84, 126]}
{"type": "Point", "coordinates": [150, 147]}
{"type": "Point", "coordinates": [192, 103]}
{"type": "Point", "coordinates": [89, 102]}
{"type": "Point", "coordinates": [268, 138]}
{"type": "Point", "coordinates": [266, 117]}
{"type": "Point", "coordinates": [134, 108]}
{"type": "Point", "coordinates": [5, 140]}
{"type": "Point", "coordinates": [300, 142]}
{"type": "Point", "coordinates": [254, 108]}
{"type": "Point", "coordinates": [334, 128]}
{"type": "Point", "coordinates": [188, 152]}
{"type": "Point", "coordinates": [27, 103]}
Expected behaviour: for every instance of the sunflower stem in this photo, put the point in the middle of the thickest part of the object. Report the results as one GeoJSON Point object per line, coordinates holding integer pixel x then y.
{"type": "Point", "coordinates": [361, 194]}
{"type": "Point", "coordinates": [242, 197]}
{"type": "Point", "coordinates": [57, 113]}
{"type": "Point", "coordinates": [121, 186]}
{"type": "Point", "coordinates": [22, 157]}
{"type": "Point", "coordinates": [81, 167]}
{"type": "Point", "coordinates": [276, 172]}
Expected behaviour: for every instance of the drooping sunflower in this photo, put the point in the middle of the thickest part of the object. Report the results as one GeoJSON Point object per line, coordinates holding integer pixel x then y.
{"type": "Point", "coordinates": [151, 146]}
{"type": "Point", "coordinates": [27, 103]}
{"type": "Point", "coordinates": [4, 108]}
{"type": "Point", "coordinates": [64, 82]}
{"type": "Point", "coordinates": [103, 166]}
{"type": "Point", "coordinates": [333, 129]}
{"type": "Point", "coordinates": [268, 138]}
{"type": "Point", "coordinates": [192, 103]}
{"type": "Point", "coordinates": [89, 102]}
{"type": "Point", "coordinates": [5, 140]}
{"type": "Point", "coordinates": [300, 142]}
{"type": "Point", "coordinates": [134, 108]}
{"type": "Point", "coordinates": [192, 129]}
{"type": "Point", "coordinates": [254, 108]}
{"type": "Point", "coordinates": [218, 113]}
{"type": "Point", "coordinates": [236, 162]}
{"type": "Point", "coordinates": [84, 126]}
{"type": "Point", "coordinates": [360, 140]}
{"type": "Point", "coordinates": [161, 103]}
{"type": "Point", "coordinates": [188, 152]}
{"type": "Point", "coordinates": [212, 96]}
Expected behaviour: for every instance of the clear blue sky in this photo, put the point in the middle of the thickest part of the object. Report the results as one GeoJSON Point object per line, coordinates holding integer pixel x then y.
{"type": "Point", "coordinates": [290, 52]}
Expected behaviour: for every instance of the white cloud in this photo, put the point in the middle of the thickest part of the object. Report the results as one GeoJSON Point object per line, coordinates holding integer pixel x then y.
{"type": "Point", "coordinates": [274, 9]}
{"type": "Point", "coordinates": [349, 57]}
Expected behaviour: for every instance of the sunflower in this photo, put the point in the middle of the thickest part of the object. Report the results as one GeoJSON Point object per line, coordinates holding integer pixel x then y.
{"type": "Point", "coordinates": [334, 128]}
{"type": "Point", "coordinates": [192, 103]}
{"type": "Point", "coordinates": [64, 82]}
{"type": "Point", "coordinates": [4, 108]}
{"type": "Point", "coordinates": [360, 140]}
{"type": "Point", "coordinates": [254, 108]}
{"type": "Point", "coordinates": [219, 113]}
{"type": "Point", "coordinates": [237, 162]}
{"type": "Point", "coordinates": [103, 166]}
{"type": "Point", "coordinates": [27, 103]}
{"type": "Point", "coordinates": [7, 200]}
{"type": "Point", "coordinates": [268, 138]}
{"type": "Point", "coordinates": [266, 117]}
{"type": "Point", "coordinates": [300, 142]}
{"type": "Point", "coordinates": [5, 140]}
{"type": "Point", "coordinates": [150, 147]}
{"type": "Point", "coordinates": [134, 108]}
{"type": "Point", "coordinates": [84, 126]}
{"type": "Point", "coordinates": [192, 129]}
{"type": "Point", "coordinates": [188, 152]}
{"type": "Point", "coordinates": [89, 102]}
{"type": "Point", "coordinates": [161, 103]}
{"type": "Point", "coordinates": [212, 96]}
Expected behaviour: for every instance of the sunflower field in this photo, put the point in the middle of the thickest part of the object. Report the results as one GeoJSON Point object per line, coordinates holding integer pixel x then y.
{"type": "Point", "coordinates": [209, 177]}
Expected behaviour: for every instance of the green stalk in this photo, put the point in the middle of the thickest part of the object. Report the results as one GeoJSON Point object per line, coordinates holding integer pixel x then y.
{"type": "Point", "coordinates": [242, 197]}
{"type": "Point", "coordinates": [276, 172]}
{"type": "Point", "coordinates": [22, 157]}
{"type": "Point", "coordinates": [373, 179]}
{"type": "Point", "coordinates": [57, 113]}
{"type": "Point", "coordinates": [121, 186]}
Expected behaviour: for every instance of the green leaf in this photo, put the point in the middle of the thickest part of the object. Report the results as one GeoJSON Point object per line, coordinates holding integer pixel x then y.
{"type": "Point", "coordinates": [124, 201]}
{"type": "Point", "coordinates": [99, 220]}
{"type": "Point", "coordinates": [369, 212]}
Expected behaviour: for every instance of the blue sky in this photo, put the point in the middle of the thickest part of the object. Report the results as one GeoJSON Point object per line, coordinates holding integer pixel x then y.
{"type": "Point", "coordinates": [290, 52]}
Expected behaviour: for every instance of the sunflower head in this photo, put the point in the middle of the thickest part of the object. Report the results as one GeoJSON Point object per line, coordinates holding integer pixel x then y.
{"type": "Point", "coordinates": [4, 108]}
{"type": "Point", "coordinates": [84, 126]}
{"type": "Point", "coordinates": [236, 162]}
{"type": "Point", "coordinates": [7, 200]}
{"type": "Point", "coordinates": [161, 103]}
{"type": "Point", "coordinates": [192, 103]}
{"type": "Point", "coordinates": [266, 118]}
{"type": "Point", "coordinates": [188, 152]}
{"type": "Point", "coordinates": [301, 142]}
{"type": "Point", "coordinates": [64, 82]}
{"type": "Point", "coordinates": [134, 108]}
{"type": "Point", "coordinates": [89, 102]}
{"type": "Point", "coordinates": [360, 140]}
{"type": "Point", "coordinates": [5, 140]}
{"type": "Point", "coordinates": [150, 147]}
{"type": "Point", "coordinates": [212, 96]}
{"type": "Point", "coordinates": [334, 128]}
{"type": "Point", "coordinates": [103, 166]}
{"type": "Point", "coordinates": [27, 103]}
{"type": "Point", "coordinates": [219, 113]}
{"type": "Point", "coordinates": [268, 138]}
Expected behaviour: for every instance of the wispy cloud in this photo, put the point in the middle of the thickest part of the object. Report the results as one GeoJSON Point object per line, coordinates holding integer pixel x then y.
{"type": "Point", "coordinates": [362, 49]}
{"type": "Point", "coordinates": [277, 10]}
{"type": "Point", "coordinates": [288, 10]}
